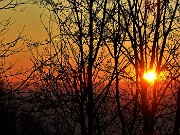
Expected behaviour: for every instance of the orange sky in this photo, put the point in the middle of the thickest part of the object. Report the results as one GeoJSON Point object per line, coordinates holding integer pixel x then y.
{"type": "Point", "coordinates": [29, 19]}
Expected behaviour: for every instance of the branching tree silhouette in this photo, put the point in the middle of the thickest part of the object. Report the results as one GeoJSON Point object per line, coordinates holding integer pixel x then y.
{"type": "Point", "coordinates": [153, 38]}
{"type": "Point", "coordinates": [95, 44]}
{"type": "Point", "coordinates": [8, 48]}
{"type": "Point", "coordinates": [9, 100]}
{"type": "Point", "coordinates": [79, 60]}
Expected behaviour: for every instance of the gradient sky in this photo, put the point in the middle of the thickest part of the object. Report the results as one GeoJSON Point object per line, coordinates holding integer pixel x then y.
{"type": "Point", "coordinates": [26, 18]}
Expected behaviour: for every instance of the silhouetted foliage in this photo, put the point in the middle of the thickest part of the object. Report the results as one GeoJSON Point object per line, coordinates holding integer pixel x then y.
{"type": "Point", "coordinates": [7, 114]}
{"type": "Point", "coordinates": [30, 125]}
{"type": "Point", "coordinates": [92, 49]}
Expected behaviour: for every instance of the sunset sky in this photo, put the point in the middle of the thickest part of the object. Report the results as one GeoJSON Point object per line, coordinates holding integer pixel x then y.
{"type": "Point", "coordinates": [88, 67]}
{"type": "Point", "coordinates": [24, 18]}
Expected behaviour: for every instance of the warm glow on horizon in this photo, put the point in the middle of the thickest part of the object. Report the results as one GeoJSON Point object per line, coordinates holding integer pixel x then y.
{"type": "Point", "coordinates": [150, 76]}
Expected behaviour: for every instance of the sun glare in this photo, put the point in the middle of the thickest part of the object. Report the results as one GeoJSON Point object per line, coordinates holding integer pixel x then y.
{"type": "Point", "coordinates": [150, 76]}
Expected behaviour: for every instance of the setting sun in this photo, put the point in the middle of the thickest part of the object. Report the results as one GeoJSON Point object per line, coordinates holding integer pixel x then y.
{"type": "Point", "coordinates": [150, 76]}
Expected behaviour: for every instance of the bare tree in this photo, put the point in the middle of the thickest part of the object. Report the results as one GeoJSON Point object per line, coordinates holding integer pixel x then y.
{"type": "Point", "coordinates": [74, 57]}
{"type": "Point", "coordinates": [95, 45]}
{"type": "Point", "coordinates": [150, 31]}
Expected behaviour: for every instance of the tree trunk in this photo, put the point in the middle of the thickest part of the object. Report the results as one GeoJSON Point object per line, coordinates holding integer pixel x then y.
{"type": "Point", "coordinates": [90, 64]}
{"type": "Point", "coordinates": [120, 114]}
{"type": "Point", "coordinates": [145, 108]}
{"type": "Point", "coordinates": [90, 104]}
{"type": "Point", "coordinates": [153, 110]}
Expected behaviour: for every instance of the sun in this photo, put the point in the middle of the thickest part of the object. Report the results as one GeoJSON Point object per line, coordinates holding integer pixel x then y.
{"type": "Point", "coordinates": [150, 76]}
